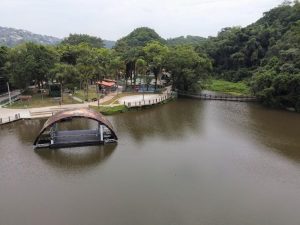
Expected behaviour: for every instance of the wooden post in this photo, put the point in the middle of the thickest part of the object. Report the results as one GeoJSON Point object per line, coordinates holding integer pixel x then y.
{"type": "Point", "coordinates": [9, 96]}
{"type": "Point", "coordinates": [101, 132]}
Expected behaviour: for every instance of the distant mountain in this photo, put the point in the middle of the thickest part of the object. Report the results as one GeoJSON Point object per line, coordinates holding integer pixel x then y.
{"type": "Point", "coordinates": [11, 37]}
{"type": "Point", "coordinates": [109, 44]}
{"type": "Point", "coordinates": [188, 40]}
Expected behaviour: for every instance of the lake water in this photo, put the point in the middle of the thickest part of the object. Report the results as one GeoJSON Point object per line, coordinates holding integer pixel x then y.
{"type": "Point", "coordinates": [188, 162]}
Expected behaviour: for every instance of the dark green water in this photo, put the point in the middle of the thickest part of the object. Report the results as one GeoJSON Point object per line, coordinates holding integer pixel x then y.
{"type": "Point", "coordinates": [187, 162]}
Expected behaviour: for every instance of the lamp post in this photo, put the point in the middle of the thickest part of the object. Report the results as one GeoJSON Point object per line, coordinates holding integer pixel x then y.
{"type": "Point", "coordinates": [9, 96]}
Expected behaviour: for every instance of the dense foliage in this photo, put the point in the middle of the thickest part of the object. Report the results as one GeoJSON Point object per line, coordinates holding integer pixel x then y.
{"type": "Point", "coordinates": [266, 54]}
{"type": "Point", "coordinates": [76, 39]}
{"type": "Point", "coordinates": [188, 40]}
{"type": "Point", "coordinates": [3, 59]}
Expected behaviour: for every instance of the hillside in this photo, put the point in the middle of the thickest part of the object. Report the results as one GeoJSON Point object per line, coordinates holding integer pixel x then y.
{"type": "Point", "coordinates": [11, 37]}
{"type": "Point", "coordinates": [265, 54]}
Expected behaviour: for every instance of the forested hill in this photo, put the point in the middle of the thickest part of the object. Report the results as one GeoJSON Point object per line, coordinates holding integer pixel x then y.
{"type": "Point", "coordinates": [266, 54]}
{"type": "Point", "coordinates": [238, 52]}
{"type": "Point", "coordinates": [11, 37]}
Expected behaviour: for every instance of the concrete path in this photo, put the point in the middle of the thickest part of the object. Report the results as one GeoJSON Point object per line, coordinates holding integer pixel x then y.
{"type": "Point", "coordinates": [7, 114]}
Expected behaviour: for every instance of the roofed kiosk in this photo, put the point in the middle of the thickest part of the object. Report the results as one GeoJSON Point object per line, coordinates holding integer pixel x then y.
{"type": "Point", "coordinates": [51, 137]}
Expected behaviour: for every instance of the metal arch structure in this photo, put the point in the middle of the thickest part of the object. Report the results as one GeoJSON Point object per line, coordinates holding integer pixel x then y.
{"type": "Point", "coordinates": [76, 113]}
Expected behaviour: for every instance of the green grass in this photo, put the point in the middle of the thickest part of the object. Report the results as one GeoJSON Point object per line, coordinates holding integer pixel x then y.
{"type": "Point", "coordinates": [38, 101]}
{"type": "Point", "coordinates": [239, 88]}
{"type": "Point", "coordinates": [107, 110]}
{"type": "Point", "coordinates": [82, 95]}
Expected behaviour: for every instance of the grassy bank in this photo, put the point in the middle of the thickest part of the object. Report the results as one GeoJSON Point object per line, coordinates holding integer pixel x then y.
{"type": "Point", "coordinates": [239, 88]}
{"type": "Point", "coordinates": [109, 110]}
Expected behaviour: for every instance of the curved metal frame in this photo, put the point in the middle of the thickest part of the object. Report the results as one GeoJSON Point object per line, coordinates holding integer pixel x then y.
{"type": "Point", "coordinates": [76, 113]}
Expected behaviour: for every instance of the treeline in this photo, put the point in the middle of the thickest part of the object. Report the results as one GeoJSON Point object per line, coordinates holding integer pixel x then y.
{"type": "Point", "coordinates": [79, 59]}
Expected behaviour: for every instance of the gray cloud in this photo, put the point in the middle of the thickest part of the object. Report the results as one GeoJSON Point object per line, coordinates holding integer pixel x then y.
{"type": "Point", "coordinates": [112, 19]}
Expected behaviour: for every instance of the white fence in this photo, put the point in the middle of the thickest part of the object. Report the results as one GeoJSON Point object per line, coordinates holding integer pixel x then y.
{"type": "Point", "coordinates": [9, 119]}
{"type": "Point", "coordinates": [153, 101]}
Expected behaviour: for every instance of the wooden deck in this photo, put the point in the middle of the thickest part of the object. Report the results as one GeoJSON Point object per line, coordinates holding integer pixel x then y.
{"type": "Point", "coordinates": [219, 97]}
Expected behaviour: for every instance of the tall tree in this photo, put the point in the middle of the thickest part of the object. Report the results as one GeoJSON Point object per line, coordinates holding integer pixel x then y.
{"type": "Point", "coordinates": [155, 54]}
{"type": "Point", "coordinates": [3, 59]}
{"type": "Point", "coordinates": [30, 62]}
{"type": "Point", "coordinates": [187, 68]}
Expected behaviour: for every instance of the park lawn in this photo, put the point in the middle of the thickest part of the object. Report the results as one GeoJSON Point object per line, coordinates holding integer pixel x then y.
{"type": "Point", "coordinates": [82, 95]}
{"type": "Point", "coordinates": [37, 101]}
{"type": "Point", "coordinates": [238, 88]}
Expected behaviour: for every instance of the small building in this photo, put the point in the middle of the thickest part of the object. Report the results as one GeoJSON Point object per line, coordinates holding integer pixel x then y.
{"type": "Point", "coordinates": [107, 85]}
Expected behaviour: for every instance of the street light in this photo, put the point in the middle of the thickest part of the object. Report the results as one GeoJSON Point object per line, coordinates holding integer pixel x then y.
{"type": "Point", "coordinates": [8, 93]}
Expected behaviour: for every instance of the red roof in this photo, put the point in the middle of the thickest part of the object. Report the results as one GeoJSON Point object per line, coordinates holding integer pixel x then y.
{"type": "Point", "coordinates": [109, 80]}
{"type": "Point", "coordinates": [105, 83]}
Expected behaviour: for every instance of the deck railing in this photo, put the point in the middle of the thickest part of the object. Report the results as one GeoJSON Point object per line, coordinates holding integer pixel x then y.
{"type": "Point", "coordinates": [9, 119]}
{"type": "Point", "coordinates": [241, 98]}
{"type": "Point", "coordinates": [148, 102]}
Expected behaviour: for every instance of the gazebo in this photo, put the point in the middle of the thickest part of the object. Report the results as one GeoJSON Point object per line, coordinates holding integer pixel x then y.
{"type": "Point", "coordinates": [51, 137]}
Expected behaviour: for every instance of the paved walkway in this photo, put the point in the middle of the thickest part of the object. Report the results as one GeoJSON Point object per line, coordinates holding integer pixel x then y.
{"type": "Point", "coordinates": [7, 114]}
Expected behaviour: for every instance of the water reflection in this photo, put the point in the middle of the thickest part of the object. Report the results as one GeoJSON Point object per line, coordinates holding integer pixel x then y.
{"type": "Point", "coordinates": [174, 120]}
{"type": "Point", "coordinates": [76, 158]}
{"type": "Point", "coordinates": [277, 129]}
{"type": "Point", "coordinates": [26, 130]}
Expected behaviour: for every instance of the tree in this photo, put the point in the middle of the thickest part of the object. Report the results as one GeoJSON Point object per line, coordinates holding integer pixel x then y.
{"type": "Point", "coordinates": [3, 59]}
{"type": "Point", "coordinates": [76, 39]}
{"type": "Point", "coordinates": [117, 66]}
{"type": "Point", "coordinates": [155, 54]}
{"type": "Point", "coordinates": [187, 68]}
{"type": "Point", "coordinates": [141, 68]}
{"type": "Point", "coordinates": [30, 62]}
{"type": "Point", "coordinates": [67, 75]}
{"type": "Point", "coordinates": [138, 38]}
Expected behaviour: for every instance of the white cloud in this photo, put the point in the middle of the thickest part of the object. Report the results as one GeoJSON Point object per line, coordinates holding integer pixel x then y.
{"type": "Point", "coordinates": [112, 19]}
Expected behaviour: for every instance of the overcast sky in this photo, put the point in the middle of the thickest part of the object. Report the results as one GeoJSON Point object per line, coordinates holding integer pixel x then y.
{"type": "Point", "coordinates": [113, 19]}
